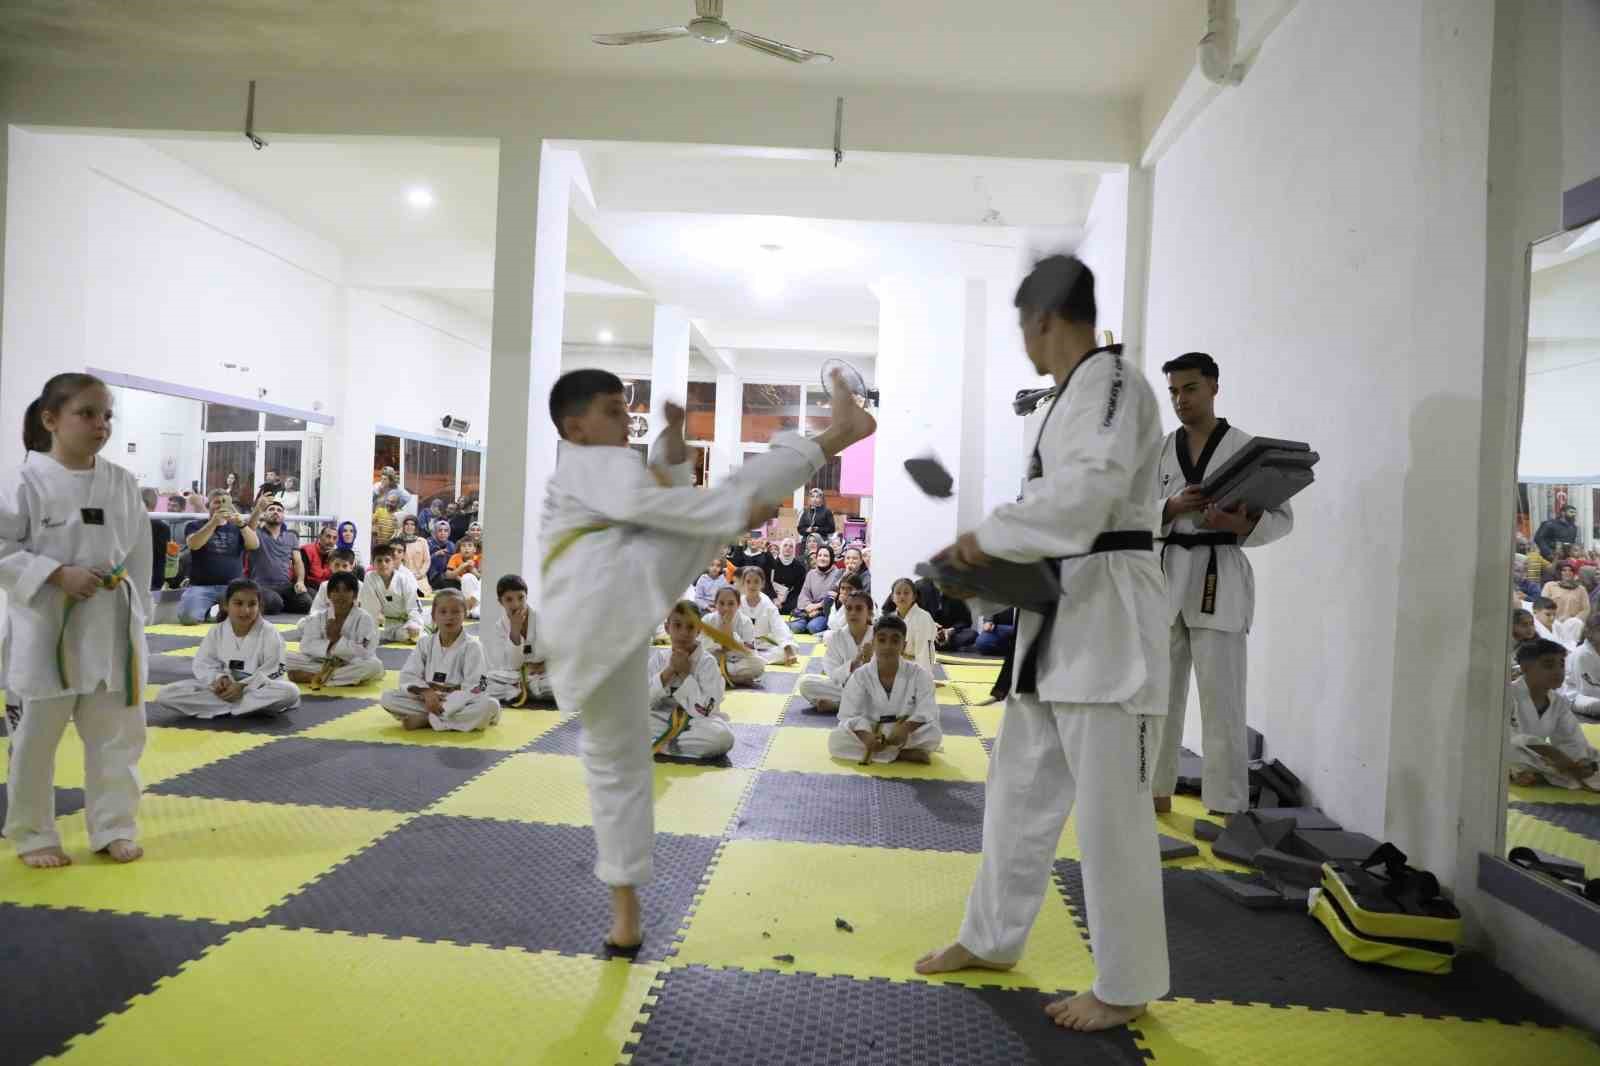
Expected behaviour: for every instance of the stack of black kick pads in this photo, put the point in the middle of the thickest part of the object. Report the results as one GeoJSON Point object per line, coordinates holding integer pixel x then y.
{"type": "Point", "coordinates": [1568, 873]}
{"type": "Point", "coordinates": [1272, 784]}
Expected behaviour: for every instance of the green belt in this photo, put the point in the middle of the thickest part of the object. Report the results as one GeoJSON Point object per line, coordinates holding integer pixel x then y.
{"type": "Point", "coordinates": [118, 578]}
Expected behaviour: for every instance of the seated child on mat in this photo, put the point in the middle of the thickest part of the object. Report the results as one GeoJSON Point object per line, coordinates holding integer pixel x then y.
{"type": "Point", "coordinates": [773, 641]}
{"type": "Point", "coordinates": [744, 667]}
{"type": "Point", "coordinates": [849, 585]}
{"type": "Point", "coordinates": [338, 643]}
{"type": "Point", "coordinates": [340, 561]}
{"type": "Point", "coordinates": [389, 595]}
{"type": "Point", "coordinates": [1547, 743]}
{"type": "Point", "coordinates": [887, 711]}
{"type": "Point", "coordinates": [516, 661]}
{"type": "Point", "coordinates": [686, 690]}
{"type": "Point", "coordinates": [442, 684]}
{"type": "Point", "coordinates": [238, 668]}
{"type": "Point", "coordinates": [708, 583]}
{"type": "Point", "coordinates": [849, 648]}
{"type": "Point", "coordinates": [920, 629]}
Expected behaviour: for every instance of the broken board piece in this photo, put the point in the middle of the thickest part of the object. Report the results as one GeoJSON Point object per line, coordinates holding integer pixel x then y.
{"type": "Point", "coordinates": [1332, 845]}
{"type": "Point", "coordinates": [1246, 891]}
{"type": "Point", "coordinates": [1307, 818]}
{"type": "Point", "coordinates": [1173, 848]}
{"type": "Point", "coordinates": [1288, 869]}
{"type": "Point", "coordinates": [1240, 840]}
{"type": "Point", "coordinates": [1207, 831]}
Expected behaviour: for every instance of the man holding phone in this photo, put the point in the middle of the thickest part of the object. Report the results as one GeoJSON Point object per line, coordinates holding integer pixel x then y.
{"type": "Point", "coordinates": [216, 556]}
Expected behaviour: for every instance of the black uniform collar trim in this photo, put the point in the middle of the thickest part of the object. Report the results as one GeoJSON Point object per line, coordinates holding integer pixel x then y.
{"type": "Point", "coordinates": [1195, 472]}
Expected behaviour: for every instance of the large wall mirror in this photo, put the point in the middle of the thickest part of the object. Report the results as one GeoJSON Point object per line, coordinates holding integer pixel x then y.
{"type": "Point", "coordinates": [1552, 762]}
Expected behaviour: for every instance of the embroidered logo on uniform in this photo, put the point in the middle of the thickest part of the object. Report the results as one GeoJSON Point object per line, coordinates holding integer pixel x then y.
{"type": "Point", "coordinates": [1144, 729]}
{"type": "Point", "coordinates": [1113, 397]}
{"type": "Point", "coordinates": [48, 524]}
{"type": "Point", "coordinates": [1165, 480]}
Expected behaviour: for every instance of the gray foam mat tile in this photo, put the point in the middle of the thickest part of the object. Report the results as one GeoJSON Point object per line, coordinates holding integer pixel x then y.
{"type": "Point", "coordinates": [335, 773]}
{"type": "Point", "coordinates": [393, 658]}
{"type": "Point", "coordinates": [781, 681]}
{"type": "Point", "coordinates": [81, 966]}
{"type": "Point", "coordinates": [503, 884]}
{"type": "Point", "coordinates": [714, 1017]}
{"type": "Point", "coordinates": [68, 801]}
{"type": "Point", "coordinates": [954, 721]}
{"type": "Point", "coordinates": [562, 740]}
{"type": "Point", "coordinates": [163, 669]}
{"type": "Point", "coordinates": [799, 712]}
{"type": "Point", "coordinates": [1221, 951]}
{"type": "Point", "coordinates": [1580, 818]}
{"type": "Point", "coordinates": [864, 810]}
{"type": "Point", "coordinates": [312, 712]}
{"type": "Point", "coordinates": [749, 749]}
{"type": "Point", "coordinates": [161, 643]}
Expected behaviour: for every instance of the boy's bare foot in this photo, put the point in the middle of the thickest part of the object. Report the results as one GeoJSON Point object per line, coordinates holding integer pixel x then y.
{"type": "Point", "coordinates": [955, 957]}
{"type": "Point", "coordinates": [415, 721]}
{"type": "Point", "coordinates": [1163, 804]}
{"type": "Point", "coordinates": [123, 850]}
{"type": "Point", "coordinates": [302, 677]}
{"type": "Point", "coordinates": [626, 928]}
{"type": "Point", "coordinates": [1085, 1013]}
{"type": "Point", "coordinates": [915, 755]}
{"type": "Point", "coordinates": [1524, 778]}
{"type": "Point", "coordinates": [851, 422]}
{"type": "Point", "coordinates": [827, 707]}
{"type": "Point", "coordinates": [45, 858]}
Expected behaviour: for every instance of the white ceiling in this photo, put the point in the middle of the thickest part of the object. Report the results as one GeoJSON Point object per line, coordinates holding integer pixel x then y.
{"type": "Point", "coordinates": [1087, 47]}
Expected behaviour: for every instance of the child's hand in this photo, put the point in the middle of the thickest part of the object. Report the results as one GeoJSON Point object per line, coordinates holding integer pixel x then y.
{"type": "Point", "coordinates": [220, 685]}
{"type": "Point", "coordinates": [433, 701]}
{"type": "Point", "coordinates": [233, 693]}
{"type": "Point", "coordinates": [789, 657]}
{"type": "Point", "coordinates": [77, 582]}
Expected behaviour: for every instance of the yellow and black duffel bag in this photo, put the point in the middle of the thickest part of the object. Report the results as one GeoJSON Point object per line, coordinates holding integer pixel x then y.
{"type": "Point", "coordinates": [1395, 917]}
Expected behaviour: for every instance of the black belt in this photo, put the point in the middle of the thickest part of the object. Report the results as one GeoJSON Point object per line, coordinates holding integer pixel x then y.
{"type": "Point", "coordinates": [1116, 541]}
{"type": "Point", "coordinates": [1208, 600]}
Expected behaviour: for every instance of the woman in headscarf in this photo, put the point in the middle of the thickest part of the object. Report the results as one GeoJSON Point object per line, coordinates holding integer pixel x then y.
{"type": "Point", "coordinates": [817, 595]}
{"type": "Point", "coordinates": [788, 575]}
{"type": "Point", "coordinates": [347, 536]}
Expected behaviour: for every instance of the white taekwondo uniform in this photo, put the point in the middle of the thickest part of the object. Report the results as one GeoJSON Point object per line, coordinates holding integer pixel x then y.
{"type": "Point", "coordinates": [1211, 591]}
{"type": "Point", "coordinates": [699, 729]}
{"type": "Point", "coordinates": [255, 661]}
{"type": "Point", "coordinates": [87, 668]}
{"type": "Point", "coordinates": [1088, 726]}
{"type": "Point", "coordinates": [840, 651]}
{"type": "Point", "coordinates": [773, 636]}
{"type": "Point", "coordinates": [395, 607]}
{"type": "Point", "coordinates": [741, 669]}
{"type": "Point", "coordinates": [618, 549]}
{"type": "Point", "coordinates": [457, 671]}
{"type": "Point", "coordinates": [866, 707]}
{"type": "Point", "coordinates": [1557, 727]}
{"type": "Point", "coordinates": [1583, 680]}
{"type": "Point", "coordinates": [513, 679]}
{"type": "Point", "coordinates": [356, 649]}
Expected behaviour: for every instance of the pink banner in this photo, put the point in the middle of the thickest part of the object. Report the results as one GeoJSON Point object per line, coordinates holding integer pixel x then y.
{"type": "Point", "coordinates": [855, 468]}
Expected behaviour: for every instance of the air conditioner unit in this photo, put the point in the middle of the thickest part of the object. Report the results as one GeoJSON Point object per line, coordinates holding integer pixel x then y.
{"type": "Point", "coordinates": [454, 424]}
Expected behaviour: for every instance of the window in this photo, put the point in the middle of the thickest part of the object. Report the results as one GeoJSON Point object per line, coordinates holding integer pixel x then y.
{"type": "Point", "coordinates": [231, 466]}
{"type": "Point", "coordinates": [701, 420]}
{"type": "Point", "coordinates": [220, 418]}
{"type": "Point", "coordinates": [471, 472]}
{"type": "Point", "coordinates": [767, 411]}
{"type": "Point", "coordinates": [282, 459]}
{"type": "Point", "coordinates": [819, 410]}
{"type": "Point", "coordinates": [637, 392]}
{"type": "Point", "coordinates": [385, 452]}
{"type": "Point", "coordinates": [827, 479]}
{"type": "Point", "coordinates": [284, 425]}
{"type": "Point", "coordinates": [430, 472]}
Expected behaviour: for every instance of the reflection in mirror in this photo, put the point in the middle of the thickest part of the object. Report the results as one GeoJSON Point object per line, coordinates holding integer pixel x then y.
{"type": "Point", "coordinates": [1553, 705]}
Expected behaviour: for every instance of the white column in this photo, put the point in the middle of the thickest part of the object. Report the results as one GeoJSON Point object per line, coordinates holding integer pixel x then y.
{"type": "Point", "coordinates": [530, 258]}
{"type": "Point", "coordinates": [726, 455]}
{"type": "Point", "coordinates": [975, 414]}
{"type": "Point", "coordinates": [669, 361]}
{"type": "Point", "coordinates": [1006, 371]}
{"type": "Point", "coordinates": [920, 367]}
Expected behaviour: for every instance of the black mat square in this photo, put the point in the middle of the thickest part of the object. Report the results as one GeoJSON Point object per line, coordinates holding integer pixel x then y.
{"type": "Point", "coordinates": [777, 681]}
{"type": "Point", "coordinates": [1222, 951]}
{"type": "Point", "coordinates": [68, 801]}
{"type": "Point", "coordinates": [504, 884]}
{"type": "Point", "coordinates": [954, 721]}
{"type": "Point", "coordinates": [562, 740]}
{"type": "Point", "coordinates": [800, 712]}
{"type": "Point", "coordinates": [312, 712]}
{"type": "Point", "coordinates": [163, 669]}
{"type": "Point", "coordinates": [1580, 818]}
{"type": "Point", "coordinates": [880, 812]}
{"type": "Point", "coordinates": [161, 643]}
{"type": "Point", "coordinates": [393, 658]}
{"type": "Point", "coordinates": [716, 1017]}
{"type": "Point", "coordinates": [335, 773]}
{"type": "Point", "coordinates": [67, 969]}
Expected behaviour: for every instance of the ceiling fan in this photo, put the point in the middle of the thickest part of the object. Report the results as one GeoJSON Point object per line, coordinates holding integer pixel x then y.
{"type": "Point", "coordinates": [709, 26]}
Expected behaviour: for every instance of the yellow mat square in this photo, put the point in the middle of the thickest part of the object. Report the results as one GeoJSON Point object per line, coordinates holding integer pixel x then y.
{"type": "Point", "coordinates": [223, 860]}
{"type": "Point", "coordinates": [945, 694]}
{"type": "Point", "coordinates": [181, 653]}
{"type": "Point", "coordinates": [986, 720]}
{"type": "Point", "coordinates": [1183, 1031]}
{"type": "Point", "coordinates": [1551, 794]}
{"type": "Point", "coordinates": [1526, 831]}
{"type": "Point", "coordinates": [752, 891]}
{"type": "Point", "coordinates": [806, 751]}
{"type": "Point", "coordinates": [263, 997]}
{"type": "Point", "coordinates": [540, 787]}
{"type": "Point", "coordinates": [167, 753]}
{"type": "Point", "coordinates": [985, 675]}
{"type": "Point", "coordinates": [516, 729]}
{"type": "Point", "coordinates": [198, 630]}
{"type": "Point", "coordinates": [754, 708]}
{"type": "Point", "coordinates": [370, 691]}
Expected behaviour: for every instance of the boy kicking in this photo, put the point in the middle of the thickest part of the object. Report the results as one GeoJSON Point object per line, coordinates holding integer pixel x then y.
{"type": "Point", "coordinates": [887, 711]}
{"type": "Point", "coordinates": [620, 543]}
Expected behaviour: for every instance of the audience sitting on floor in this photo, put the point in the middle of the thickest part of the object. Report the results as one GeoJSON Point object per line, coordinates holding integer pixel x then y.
{"type": "Point", "coordinates": [444, 682]}
{"type": "Point", "coordinates": [340, 561]}
{"type": "Point", "coordinates": [848, 649]}
{"type": "Point", "coordinates": [389, 595]}
{"type": "Point", "coordinates": [516, 673]}
{"type": "Point", "coordinates": [1547, 742]}
{"type": "Point", "coordinates": [440, 549]}
{"type": "Point", "coordinates": [465, 568]}
{"type": "Point", "coordinates": [849, 585]}
{"type": "Point", "coordinates": [952, 617]}
{"type": "Point", "coordinates": [709, 583]}
{"type": "Point", "coordinates": [239, 666]}
{"type": "Point", "coordinates": [817, 595]}
{"type": "Point", "coordinates": [1570, 597]}
{"type": "Point", "coordinates": [887, 711]}
{"type": "Point", "coordinates": [997, 633]}
{"type": "Point", "coordinates": [741, 664]}
{"type": "Point", "coordinates": [685, 693]}
{"type": "Point", "coordinates": [274, 564]}
{"type": "Point", "coordinates": [414, 555]}
{"type": "Point", "coordinates": [787, 575]}
{"type": "Point", "coordinates": [347, 536]}
{"type": "Point", "coordinates": [920, 629]}
{"type": "Point", "coordinates": [315, 557]}
{"type": "Point", "coordinates": [217, 549]}
{"type": "Point", "coordinates": [855, 565]}
{"type": "Point", "coordinates": [338, 643]}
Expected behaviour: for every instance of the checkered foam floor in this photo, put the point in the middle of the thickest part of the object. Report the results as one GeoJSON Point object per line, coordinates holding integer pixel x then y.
{"type": "Point", "coordinates": [326, 887]}
{"type": "Point", "coordinates": [1557, 820]}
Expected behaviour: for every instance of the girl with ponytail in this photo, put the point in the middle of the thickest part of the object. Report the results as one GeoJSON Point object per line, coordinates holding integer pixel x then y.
{"type": "Point", "coordinates": [75, 566]}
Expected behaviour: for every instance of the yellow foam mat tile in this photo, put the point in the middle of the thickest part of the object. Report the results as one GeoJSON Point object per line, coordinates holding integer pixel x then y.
{"type": "Point", "coordinates": [269, 996]}
{"type": "Point", "coordinates": [1181, 1032]}
{"type": "Point", "coordinates": [806, 751]}
{"type": "Point", "coordinates": [198, 630]}
{"type": "Point", "coordinates": [1551, 794]}
{"type": "Point", "coordinates": [181, 653]}
{"type": "Point", "coordinates": [222, 860]}
{"type": "Point", "coordinates": [516, 729]}
{"type": "Point", "coordinates": [1179, 823]}
{"type": "Point", "coordinates": [945, 695]}
{"type": "Point", "coordinates": [986, 720]}
{"type": "Point", "coordinates": [752, 890]}
{"type": "Point", "coordinates": [754, 708]}
{"type": "Point", "coordinates": [167, 753]}
{"type": "Point", "coordinates": [370, 691]}
{"type": "Point", "coordinates": [541, 787]}
{"type": "Point", "coordinates": [985, 675]}
{"type": "Point", "coordinates": [974, 691]}
{"type": "Point", "coordinates": [1592, 731]}
{"type": "Point", "coordinates": [1526, 831]}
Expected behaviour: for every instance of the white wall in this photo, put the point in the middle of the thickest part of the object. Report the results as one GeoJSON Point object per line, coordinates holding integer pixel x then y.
{"type": "Point", "coordinates": [1322, 235]}
{"type": "Point", "coordinates": [1559, 409]}
{"type": "Point", "coordinates": [1104, 248]}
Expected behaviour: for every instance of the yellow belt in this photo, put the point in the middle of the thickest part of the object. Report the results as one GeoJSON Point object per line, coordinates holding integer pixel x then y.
{"type": "Point", "coordinates": [567, 540]}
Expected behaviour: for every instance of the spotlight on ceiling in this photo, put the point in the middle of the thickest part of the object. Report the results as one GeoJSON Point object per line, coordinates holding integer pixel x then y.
{"type": "Point", "coordinates": [605, 336]}
{"type": "Point", "coordinates": [420, 197]}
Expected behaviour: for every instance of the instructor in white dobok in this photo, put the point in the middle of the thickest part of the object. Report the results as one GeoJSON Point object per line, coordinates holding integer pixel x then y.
{"type": "Point", "coordinates": [1082, 720]}
{"type": "Point", "coordinates": [1211, 588]}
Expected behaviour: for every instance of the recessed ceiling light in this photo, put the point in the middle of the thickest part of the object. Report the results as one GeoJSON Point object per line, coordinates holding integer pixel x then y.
{"type": "Point", "coordinates": [605, 336]}
{"type": "Point", "coordinates": [419, 196]}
